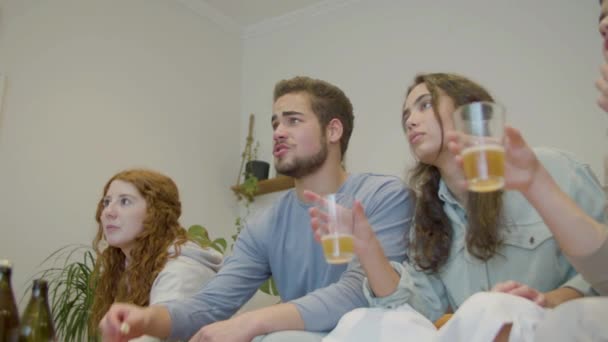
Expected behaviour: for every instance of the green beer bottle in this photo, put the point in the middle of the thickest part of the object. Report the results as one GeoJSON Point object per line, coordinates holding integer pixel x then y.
{"type": "Point", "coordinates": [36, 322]}
{"type": "Point", "coordinates": [9, 316]}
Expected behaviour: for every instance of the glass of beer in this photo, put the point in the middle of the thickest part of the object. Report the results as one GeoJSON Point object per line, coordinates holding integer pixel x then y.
{"type": "Point", "coordinates": [336, 227]}
{"type": "Point", "coordinates": [482, 127]}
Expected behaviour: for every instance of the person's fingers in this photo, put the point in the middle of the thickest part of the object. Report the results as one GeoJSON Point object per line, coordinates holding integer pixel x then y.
{"type": "Point", "coordinates": [525, 292]}
{"type": "Point", "coordinates": [459, 160]}
{"type": "Point", "coordinates": [541, 299]}
{"type": "Point", "coordinates": [316, 228]}
{"type": "Point", "coordinates": [321, 216]}
{"type": "Point", "coordinates": [602, 85]}
{"type": "Point", "coordinates": [453, 136]}
{"type": "Point", "coordinates": [110, 335]}
{"type": "Point", "coordinates": [318, 222]}
{"type": "Point", "coordinates": [454, 148]}
{"type": "Point", "coordinates": [312, 196]}
{"type": "Point", "coordinates": [604, 71]}
{"type": "Point", "coordinates": [109, 324]}
{"type": "Point", "coordinates": [314, 223]}
{"type": "Point", "coordinates": [450, 135]}
{"type": "Point", "coordinates": [602, 102]}
{"type": "Point", "coordinates": [104, 329]}
{"type": "Point", "coordinates": [197, 337]}
{"type": "Point", "coordinates": [123, 325]}
{"type": "Point", "coordinates": [454, 142]}
{"type": "Point", "coordinates": [359, 211]}
{"type": "Point", "coordinates": [313, 212]}
{"type": "Point", "coordinates": [463, 184]}
{"type": "Point", "coordinates": [361, 225]}
{"type": "Point", "coordinates": [110, 338]}
{"type": "Point", "coordinates": [505, 286]}
{"type": "Point", "coordinates": [513, 137]}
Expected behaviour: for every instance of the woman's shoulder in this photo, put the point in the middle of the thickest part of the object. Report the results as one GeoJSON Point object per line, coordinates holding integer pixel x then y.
{"type": "Point", "coordinates": [555, 159]}
{"type": "Point", "coordinates": [186, 273]}
{"type": "Point", "coordinates": [191, 253]}
{"type": "Point", "coordinates": [371, 181]}
{"type": "Point", "coordinates": [572, 175]}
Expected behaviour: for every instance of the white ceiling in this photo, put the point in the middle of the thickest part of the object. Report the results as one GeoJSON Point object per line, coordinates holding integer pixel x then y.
{"type": "Point", "coordinates": [249, 12]}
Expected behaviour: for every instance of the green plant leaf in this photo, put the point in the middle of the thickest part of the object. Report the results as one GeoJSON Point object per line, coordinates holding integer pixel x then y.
{"type": "Point", "coordinates": [269, 287]}
{"type": "Point", "coordinates": [198, 230]}
{"type": "Point", "coordinates": [200, 235]}
{"type": "Point", "coordinates": [219, 245]}
{"type": "Point", "coordinates": [249, 187]}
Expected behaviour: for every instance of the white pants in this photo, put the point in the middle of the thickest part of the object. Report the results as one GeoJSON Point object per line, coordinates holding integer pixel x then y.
{"type": "Point", "coordinates": [480, 318]}
{"type": "Point", "coordinates": [584, 319]}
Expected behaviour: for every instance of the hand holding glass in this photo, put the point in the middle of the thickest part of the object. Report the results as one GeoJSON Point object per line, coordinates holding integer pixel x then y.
{"type": "Point", "coordinates": [482, 127]}
{"type": "Point", "coordinates": [336, 227]}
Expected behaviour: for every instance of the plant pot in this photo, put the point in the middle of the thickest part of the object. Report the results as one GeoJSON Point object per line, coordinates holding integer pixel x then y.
{"type": "Point", "coordinates": [257, 168]}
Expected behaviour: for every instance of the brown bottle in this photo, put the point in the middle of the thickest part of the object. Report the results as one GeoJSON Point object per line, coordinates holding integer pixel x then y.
{"type": "Point", "coordinates": [9, 316]}
{"type": "Point", "coordinates": [37, 322]}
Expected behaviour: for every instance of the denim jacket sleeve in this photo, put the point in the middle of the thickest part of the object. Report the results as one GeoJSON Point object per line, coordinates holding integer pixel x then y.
{"type": "Point", "coordinates": [423, 292]}
{"type": "Point", "coordinates": [579, 182]}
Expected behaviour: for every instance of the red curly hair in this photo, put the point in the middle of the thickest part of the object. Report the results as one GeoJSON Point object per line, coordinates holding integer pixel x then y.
{"type": "Point", "coordinates": [111, 280]}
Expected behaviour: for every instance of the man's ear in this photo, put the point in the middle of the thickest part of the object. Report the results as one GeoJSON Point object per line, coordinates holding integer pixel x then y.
{"type": "Point", "coordinates": [334, 130]}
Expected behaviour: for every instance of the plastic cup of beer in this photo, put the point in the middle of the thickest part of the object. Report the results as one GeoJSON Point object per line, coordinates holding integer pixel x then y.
{"type": "Point", "coordinates": [482, 127]}
{"type": "Point", "coordinates": [336, 227]}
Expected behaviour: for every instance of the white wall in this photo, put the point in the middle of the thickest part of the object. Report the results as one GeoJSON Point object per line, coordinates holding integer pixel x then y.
{"type": "Point", "coordinates": [94, 87]}
{"type": "Point", "coordinates": [540, 58]}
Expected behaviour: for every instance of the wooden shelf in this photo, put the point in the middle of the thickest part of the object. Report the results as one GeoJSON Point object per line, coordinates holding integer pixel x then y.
{"type": "Point", "coordinates": [267, 186]}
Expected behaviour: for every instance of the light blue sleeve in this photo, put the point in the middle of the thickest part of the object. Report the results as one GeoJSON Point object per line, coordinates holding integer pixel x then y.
{"type": "Point", "coordinates": [235, 283]}
{"type": "Point", "coordinates": [581, 184]}
{"type": "Point", "coordinates": [423, 292]}
{"type": "Point", "coordinates": [389, 213]}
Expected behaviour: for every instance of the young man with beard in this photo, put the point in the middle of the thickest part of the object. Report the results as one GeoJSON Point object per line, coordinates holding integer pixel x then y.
{"type": "Point", "coordinates": [312, 122]}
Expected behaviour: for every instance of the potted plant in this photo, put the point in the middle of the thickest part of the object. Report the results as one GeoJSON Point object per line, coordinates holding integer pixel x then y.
{"type": "Point", "coordinates": [71, 290]}
{"type": "Point", "coordinates": [251, 170]}
{"type": "Point", "coordinates": [254, 171]}
{"type": "Point", "coordinates": [245, 191]}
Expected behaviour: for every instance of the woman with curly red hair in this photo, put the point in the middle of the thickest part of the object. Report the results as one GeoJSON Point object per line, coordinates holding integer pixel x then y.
{"type": "Point", "coordinates": [143, 254]}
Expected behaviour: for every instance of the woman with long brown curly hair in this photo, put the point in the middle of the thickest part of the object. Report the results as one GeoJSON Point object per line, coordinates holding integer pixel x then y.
{"type": "Point", "coordinates": [143, 254]}
{"type": "Point", "coordinates": [463, 242]}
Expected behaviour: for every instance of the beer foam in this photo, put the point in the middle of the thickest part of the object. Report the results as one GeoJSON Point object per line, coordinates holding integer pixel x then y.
{"type": "Point", "coordinates": [476, 148]}
{"type": "Point", "coordinates": [336, 236]}
{"type": "Point", "coordinates": [5, 263]}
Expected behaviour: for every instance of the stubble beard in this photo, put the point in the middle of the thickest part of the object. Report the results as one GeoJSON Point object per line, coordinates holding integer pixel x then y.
{"type": "Point", "coordinates": [300, 167]}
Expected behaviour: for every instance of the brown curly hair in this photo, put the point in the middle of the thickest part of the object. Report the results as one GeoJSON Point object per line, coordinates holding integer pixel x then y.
{"type": "Point", "coordinates": [326, 100]}
{"type": "Point", "coordinates": [433, 231]}
{"type": "Point", "coordinates": [114, 283]}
